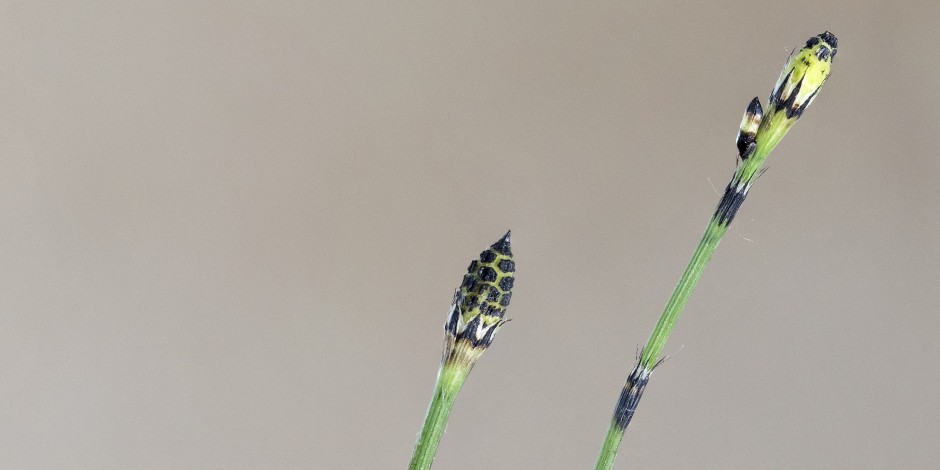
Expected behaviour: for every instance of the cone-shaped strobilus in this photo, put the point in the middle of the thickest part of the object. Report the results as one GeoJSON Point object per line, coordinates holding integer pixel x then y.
{"type": "Point", "coordinates": [476, 314]}
{"type": "Point", "coordinates": [761, 130]}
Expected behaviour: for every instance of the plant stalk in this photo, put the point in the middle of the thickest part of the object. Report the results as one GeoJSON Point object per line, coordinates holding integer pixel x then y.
{"type": "Point", "coordinates": [449, 380]}
{"type": "Point", "coordinates": [650, 357]}
{"type": "Point", "coordinates": [680, 296]}
{"type": "Point", "coordinates": [805, 72]}
{"type": "Point", "coordinates": [611, 443]}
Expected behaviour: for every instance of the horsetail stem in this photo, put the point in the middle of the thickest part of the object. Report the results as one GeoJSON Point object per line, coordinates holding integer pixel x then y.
{"type": "Point", "coordinates": [798, 85]}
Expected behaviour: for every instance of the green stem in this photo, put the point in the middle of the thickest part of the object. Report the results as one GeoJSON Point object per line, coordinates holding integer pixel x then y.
{"type": "Point", "coordinates": [759, 133]}
{"type": "Point", "coordinates": [636, 383]}
{"type": "Point", "coordinates": [449, 380]}
{"type": "Point", "coordinates": [693, 272]}
{"type": "Point", "coordinates": [611, 443]}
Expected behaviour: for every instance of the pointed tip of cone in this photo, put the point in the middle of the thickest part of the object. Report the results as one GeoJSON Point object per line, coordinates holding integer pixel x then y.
{"type": "Point", "coordinates": [503, 245]}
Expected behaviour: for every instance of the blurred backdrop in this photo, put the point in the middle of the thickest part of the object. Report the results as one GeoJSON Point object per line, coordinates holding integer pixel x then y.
{"type": "Point", "coordinates": [230, 232]}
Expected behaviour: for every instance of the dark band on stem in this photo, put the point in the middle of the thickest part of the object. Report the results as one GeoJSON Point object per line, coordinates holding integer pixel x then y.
{"type": "Point", "coordinates": [630, 396]}
{"type": "Point", "coordinates": [731, 202]}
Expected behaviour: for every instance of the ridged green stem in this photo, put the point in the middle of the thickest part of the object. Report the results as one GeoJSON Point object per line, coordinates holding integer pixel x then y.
{"type": "Point", "coordinates": [611, 443]}
{"type": "Point", "coordinates": [449, 380]}
{"type": "Point", "coordinates": [805, 72]}
{"type": "Point", "coordinates": [693, 272]}
{"type": "Point", "coordinates": [651, 353]}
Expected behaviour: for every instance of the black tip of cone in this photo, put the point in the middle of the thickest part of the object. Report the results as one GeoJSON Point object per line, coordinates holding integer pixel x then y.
{"type": "Point", "coordinates": [503, 245]}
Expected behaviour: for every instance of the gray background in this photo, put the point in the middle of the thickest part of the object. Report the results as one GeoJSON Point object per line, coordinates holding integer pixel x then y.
{"type": "Point", "coordinates": [229, 233]}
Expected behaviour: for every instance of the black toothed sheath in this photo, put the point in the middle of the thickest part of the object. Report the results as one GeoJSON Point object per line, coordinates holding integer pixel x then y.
{"type": "Point", "coordinates": [759, 133]}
